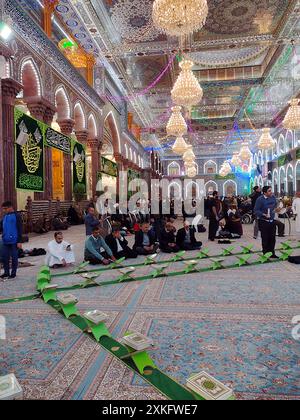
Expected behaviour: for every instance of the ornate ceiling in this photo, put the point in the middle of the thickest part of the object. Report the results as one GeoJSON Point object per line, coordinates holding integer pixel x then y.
{"type": "Point", "coordinates": [234, 54]}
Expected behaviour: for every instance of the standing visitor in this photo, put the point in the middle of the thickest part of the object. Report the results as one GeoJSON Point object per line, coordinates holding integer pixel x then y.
{"type": "Point", "coordinates": [256, 194]}
{"type": "Point", "coordinates": [265, 212]}
{"type": "Point", "coordinates": [296, 210]}
{"type": "Point", "coordinates": [11, 228]}
{"type": "Point", "coordinates": [215, 215]}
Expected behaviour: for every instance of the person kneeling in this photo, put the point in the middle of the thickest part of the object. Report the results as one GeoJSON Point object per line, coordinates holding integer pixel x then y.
{"type": "Point", "coordinates": [167, 241]}
{"type": "Point", "coordinates": [186, 240]}
{"type": "Point", "coordinates": [96, 250]}
{"type": "Point", "coordinates": [119, 246]}
{"type": "Point", "coordinates": [60, 252]}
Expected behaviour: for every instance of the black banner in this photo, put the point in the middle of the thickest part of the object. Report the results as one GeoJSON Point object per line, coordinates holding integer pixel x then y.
{"type": "Point", "coordinates": [79, 169]}
{"type": "Point", "coordinates": [29, 153]}
{"type": "Point", "coordinates": [57, 140]}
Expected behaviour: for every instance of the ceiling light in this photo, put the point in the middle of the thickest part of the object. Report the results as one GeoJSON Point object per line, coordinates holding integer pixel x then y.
{"type": "Point", "coordinates": [180, 146]}
{"type": "Point", "coordinates": [266, 141]}
{"type": "Point", "coordinates": [292, 118]}
{"type": "Point", "coordinates": [245, 153]}
{"type": "Point", "coordinates": [187, 90]}
{"type": "Point", "coordinates": [179, 17]}
{"type": "Point", "coordinates": [176, 126]}
{"type": "Point", "coordinates": [5, 31]}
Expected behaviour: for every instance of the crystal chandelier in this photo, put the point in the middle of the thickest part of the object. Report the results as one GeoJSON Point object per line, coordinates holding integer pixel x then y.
{"type": "Point", "coordinates": [176, 126]}
{"type": "Point", "coordinates": [190, 164]}
{"type": "Point", "coordinates": [236, 161]}
{"type": "Point", "coordinates": [266, 141]}
{"type": "Point", "coordinates": [292, 118]}
{"type": "Point", "coordinates": [189, 155]}
{"type": "Point", "coordinates": [180, 146]}
{"type": "Point", "coordinates": [245, 153]}
{"type": "Point", "coordinates": [179, 17]}
{"type": "Point", "coordinates": [191, 172]}
{"type": "Point", "coordinates": [225, 169]}
{"type": "Point", "coordinates": [187, 90]}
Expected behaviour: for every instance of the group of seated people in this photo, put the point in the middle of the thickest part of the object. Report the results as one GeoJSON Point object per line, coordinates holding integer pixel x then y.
{"type": "Point", "coordinates": [102, 250]}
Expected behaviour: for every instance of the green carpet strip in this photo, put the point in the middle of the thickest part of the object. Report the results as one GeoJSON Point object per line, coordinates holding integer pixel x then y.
{"type": "Point", "coordinates": [202, 255]}
{"type": "Point", "coordinates": [151, 374]}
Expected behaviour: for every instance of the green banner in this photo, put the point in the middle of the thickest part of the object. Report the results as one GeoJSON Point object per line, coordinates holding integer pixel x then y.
{"type": "Point", "coordinates": [108, 167]}
{"type": "Point", "coordinates": [79, 169]}
{"type": "Point", "coordinates": [57, 140]}
{"type": "Point", "coordinates": [224, 178]}
{"type": "Point", "coordinates": [29, 153]}
{"type": "Point", "coordinates": [283, 160]}
{"type": "Point", "coordinates": [298, 154]}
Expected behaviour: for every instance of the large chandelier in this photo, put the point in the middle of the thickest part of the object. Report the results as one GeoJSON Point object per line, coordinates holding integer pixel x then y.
{"type": "Point", "coordinates": [225, 169]}
{"type": "Point", "coordinates": [191, 172]}
{"type": "Point", "coordinates": [180, 146]}
{"type": "Point", "coordinates": [292, 118]}
{"type": "Point", "coordinates": [245, 153]}
{"type": "Point", "coordinates": [236, 161]}
{"type": "Point", "coordinates": [187, 90]}
{"type": "Point", "coordinates": [189, 155]}
{"type": "Point", "coordinates": [176, 126]}
{"type": "Point", "coordinates": [190, 164]}
{"type": "Point", "coordinates": [179, 17]}
{"type": "Point", "coordinates": [266, 141]}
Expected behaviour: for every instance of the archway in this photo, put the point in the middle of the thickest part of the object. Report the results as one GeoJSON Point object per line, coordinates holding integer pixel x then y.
{"type": "Point", "coordinates": [275, 182]}
{"type": "Point", "coordinates": [297, 176]}
{"type": "Point", "coordinates": [289, 141]}
{"type": "Point", "coordinates": [229, 188]}
{"type": "Point", "coordinates": [192, 190]}
{"type": "Point", "coordinates": [282, 181]}
{"type": "Point", "coordinates": [30, 79]}
{"type": "Point", "coordinates": [62, 104]}
{"type": "Point", "coordinates": [79, 118]}
{"type": "Point", "coordinates": [175, 191]}
{"type": "Point", "coordinates": [210, 167]}
{"type": "Point", "coordinates": [110, 125]}
{"type": "Point", "coordinates": [290, 180]}
{"type": "Point", "coordinates": [210, 187]}
{"type": "Point", "coordinates": [174, 169]}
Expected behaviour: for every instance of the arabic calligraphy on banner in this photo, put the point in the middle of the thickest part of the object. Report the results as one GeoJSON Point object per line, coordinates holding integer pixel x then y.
{"type": "Point", "coordinates": [57, 140]}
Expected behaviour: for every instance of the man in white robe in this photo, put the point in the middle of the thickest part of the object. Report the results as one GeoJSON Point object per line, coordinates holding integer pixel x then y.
{"type": "Point", "coordinates": [296, 210]}
{"type": "Point", "coordinates": [60, 252]}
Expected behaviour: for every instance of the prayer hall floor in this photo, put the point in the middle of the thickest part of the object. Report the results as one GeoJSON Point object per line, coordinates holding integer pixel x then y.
{"type": "Point", "coordinates": [236, 324]}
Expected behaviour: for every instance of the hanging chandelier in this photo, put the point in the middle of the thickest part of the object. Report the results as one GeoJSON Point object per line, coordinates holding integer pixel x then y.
{"type": "Point", "coordinates": [187, 90]}
{"type": "Point", "coordinates": [225, 169]}
{"type": "Point", "coordinates": [292, 118]}
{"type": "Point", "coordinates": [236, 161]}
{"type": "Point", "coordinates": [191, 172]}
{"type": "Point", "coordinates": [245, 153]}
{"type": "Point", "coordinates": [266, 141]}
{"type": "Point", "coordinates": [189, 155]}
{"type": "Point", "coordinates": [179, 17]}
{"type": "Point", "coordinates": [176, 126]}
{"type": "Point", "coordinates": [190, 164]}
{"type": "Point", "coordinates": [180, 146]}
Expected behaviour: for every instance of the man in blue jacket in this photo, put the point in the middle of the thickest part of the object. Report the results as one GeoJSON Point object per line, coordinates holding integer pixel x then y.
{"type": "Point", "coordinates": [11, 228]}
{"type": "Point", "coordinates": [264, 210]}
{"type": "Point", "coordinates": [96, 250]}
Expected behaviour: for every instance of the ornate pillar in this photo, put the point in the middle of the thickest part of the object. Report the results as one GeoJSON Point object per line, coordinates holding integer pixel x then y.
{"type": "Point", "coordinates": [49, 6]}
{"type": "Point", "coordinates": [9, 90]}
{"type": "Point", "coordinates": [43, 110]}
{"type": "Point", "coordinates": [66, 127]}
{"type": "Point", "coordinates": [82, 136]}
{"type": "Point", "coordinates": [120, 161]}
{"type": "Point", "coordinates": [95, 147]}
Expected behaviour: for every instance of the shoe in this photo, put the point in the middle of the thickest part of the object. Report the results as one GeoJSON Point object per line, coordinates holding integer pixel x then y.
{"type": "Point", "coordinates": [12, 276]}
{"type": "Point", "coordinates": [275, 257]}
{"type": "Point", "coordinates": [4, 276]}
{"type": "Point", "coordinates": [254, 237]}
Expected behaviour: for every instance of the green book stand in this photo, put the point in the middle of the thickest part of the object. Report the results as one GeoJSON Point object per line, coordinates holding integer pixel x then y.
{"type": "Point", "coordinates": [89, 279]}
{"type": "Point", "coordinates": [243, 260]}
{"type": "Point", "coordinates": [126, 274]}
{"type": "Point", "coordinates": [49, 292]}
{"type": "Point", "coordinates": [286, 245]}
{"type": "Point", "coordinates": [159, 271]}
{"type": "Point", "coordinates": [285, 255]}
{"type": "Point", "coordinates": [150, 259]}
{"type": "Point", "coordinates": [116, 264]}
{"type": "Point", "coordinates": [178, 257]}
{"type": "Point", "coordinates": [265, 258]}
{"type": "Point", "coordinates": [191, 266]}
{"type": "Point", "coordinates": [96, 324]}
{"type": "Point", "coordinates": [67, 304]}
{"type": "Point", "coordinates": [217, 264]}
{"type": "Point", "coordinates": [228, 251]}
{"type": "Point", "coordinates": [81, 267]}
{"type": "Point", "coordinates": [204, 253]}
{"type": "Point", "coordinates": [42, 281]}
{"type": "Point", "coordinates": [247, 249]}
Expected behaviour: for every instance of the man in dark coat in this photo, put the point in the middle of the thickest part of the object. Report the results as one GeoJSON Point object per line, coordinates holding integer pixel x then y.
{"type": "Point", "coordinates": [167, 241]}
{"type": "Point", "coordinates": [145, 241]}
{"type": "Point", "coordinates": [119, 246]}
{"type": "Point", "coordinates": [186, 239]}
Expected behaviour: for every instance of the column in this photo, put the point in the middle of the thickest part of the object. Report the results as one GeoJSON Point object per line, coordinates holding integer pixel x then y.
{"type": "Point", "coordinates": [66, 127]}
{"type": "Point", "coordinates": [82, 136]}
{"type": "Point", "coordinates": [95, 147]}
{"type": "Point", "coordinates": [90, 64]}
{"type": "Point", "coordinates": [9, 89]}
{"type": "Point", "coordinates": [43, 111]}
{"type": "Point", "coordinates": [119, 159]}
{"type": "Point", "coordinates": [49, 6]}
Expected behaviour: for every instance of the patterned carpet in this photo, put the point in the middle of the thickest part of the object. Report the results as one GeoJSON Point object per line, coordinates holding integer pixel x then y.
{"type": "Point", "coordinates": [235, 324]}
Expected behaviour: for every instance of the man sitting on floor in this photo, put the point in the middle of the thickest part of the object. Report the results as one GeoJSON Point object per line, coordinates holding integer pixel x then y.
{"type": "Point", "coordinates": [145, 241]}
{"type": "Point", "coordinates": [186, 240]}
{"type": "Point", "coordinates": [119, 246]}
{"type": "Point", "coordinates": [167, 241]}
{"type": "Point", "coordinates": [60, 252]}
{"type": "Point", "coordinates": [96, 249]}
